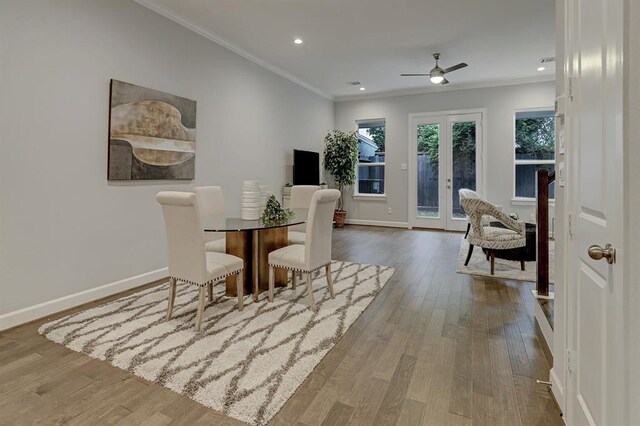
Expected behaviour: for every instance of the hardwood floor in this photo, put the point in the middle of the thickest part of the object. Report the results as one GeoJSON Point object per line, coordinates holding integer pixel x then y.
{"type": "Point", "coordinates": [433, 348]}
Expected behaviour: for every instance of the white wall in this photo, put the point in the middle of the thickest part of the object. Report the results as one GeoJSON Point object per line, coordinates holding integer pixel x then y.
{"type": "Point", "coordinates": [64, 228]}
{"type": "Point", "coordinates": [501, 104]}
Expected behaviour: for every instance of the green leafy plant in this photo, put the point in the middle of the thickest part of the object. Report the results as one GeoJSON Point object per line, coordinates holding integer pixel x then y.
{"type": "Point", "coordinates": [274, 213]}
{"type": "Point", "coordinates": [288, 185]}
{"type": "Point", "coordinates": [341, 159]}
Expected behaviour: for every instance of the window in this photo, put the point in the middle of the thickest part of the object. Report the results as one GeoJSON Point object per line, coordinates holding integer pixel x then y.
{"type": "Point", "coordinates": [370, 170]}
{"type": "Point", "coordinates": [534, 149]}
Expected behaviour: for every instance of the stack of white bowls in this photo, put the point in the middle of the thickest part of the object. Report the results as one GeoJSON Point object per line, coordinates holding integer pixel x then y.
{"type": "Point", "coordinates": [250, 200]}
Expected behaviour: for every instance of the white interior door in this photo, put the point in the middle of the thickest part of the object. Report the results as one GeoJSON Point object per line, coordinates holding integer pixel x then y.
{"type": "Point", "coordinates": [445, 155]}
{"type": "Point", "coordinates": [596, 379]}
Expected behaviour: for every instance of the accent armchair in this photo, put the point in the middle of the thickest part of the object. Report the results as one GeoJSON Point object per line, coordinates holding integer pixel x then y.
{"type": "Point", "coordinates": [490, 237]}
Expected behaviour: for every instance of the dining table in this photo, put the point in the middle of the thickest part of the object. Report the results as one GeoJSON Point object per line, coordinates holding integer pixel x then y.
{"type": "Point", "coordinates": [252, 241]}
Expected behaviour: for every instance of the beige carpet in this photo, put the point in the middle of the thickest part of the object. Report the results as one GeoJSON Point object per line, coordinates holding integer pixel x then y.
{"type": "Point", "coordinates": [479, 265]}
{"type": "Point", "coordinates": [243, 364]}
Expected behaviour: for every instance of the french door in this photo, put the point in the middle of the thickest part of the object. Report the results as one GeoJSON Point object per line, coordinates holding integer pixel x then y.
{"type": "Point", "coordinates": [445, 152]}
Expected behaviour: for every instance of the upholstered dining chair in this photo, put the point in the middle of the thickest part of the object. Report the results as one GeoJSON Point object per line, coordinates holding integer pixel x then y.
{"type": "Point", "coordinates": [188, 260]}
{"type": "Point", "coordinates": [490, 237]}
{"type": "Point", "coordinates": [211, 201]}
{"type": "Point", "coordinates": [316, 251]}
{"type": "Point", "coordinates": [301, 196]}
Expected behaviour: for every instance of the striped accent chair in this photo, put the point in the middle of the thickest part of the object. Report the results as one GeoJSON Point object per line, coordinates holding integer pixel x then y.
{"type": "Point", "coordinates": [490, 237]}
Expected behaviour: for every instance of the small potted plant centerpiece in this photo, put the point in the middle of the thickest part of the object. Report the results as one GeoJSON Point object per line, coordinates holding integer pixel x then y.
{"type": "Point", "coordinates": [340, 160]}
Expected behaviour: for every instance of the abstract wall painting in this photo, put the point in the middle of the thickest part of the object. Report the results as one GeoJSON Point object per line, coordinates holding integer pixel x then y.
{"type": "Point", "coordinates": [152, 135]}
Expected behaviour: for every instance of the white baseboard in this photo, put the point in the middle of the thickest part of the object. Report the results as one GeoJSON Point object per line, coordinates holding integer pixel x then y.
{"type": "Point", "coordinates": [30, 313]}
{"type": "Point", "coordinates": [544, 325]}
{"type": "Point", "coordinates": [377, 223]}
{"type": "Point", "coordinates": [557, 389]}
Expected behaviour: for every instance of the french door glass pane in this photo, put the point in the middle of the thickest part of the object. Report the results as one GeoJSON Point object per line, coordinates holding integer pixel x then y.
{"type": "Point", "coordinates": [428, 204]}
{"type": "Point", "coordinates": [463, 145]}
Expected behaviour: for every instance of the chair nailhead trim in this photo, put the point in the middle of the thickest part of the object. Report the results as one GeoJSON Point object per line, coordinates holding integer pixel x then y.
{"type": "Point", "coordinates": [216, 279]}
{"type": "Point", "coordinates": [288, 268]}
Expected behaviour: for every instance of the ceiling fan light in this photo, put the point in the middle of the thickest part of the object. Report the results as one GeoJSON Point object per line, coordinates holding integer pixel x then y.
{"type": "Point", "coordinates": [436, 79]}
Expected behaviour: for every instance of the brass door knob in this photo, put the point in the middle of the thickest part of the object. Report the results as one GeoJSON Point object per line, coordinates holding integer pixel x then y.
{"type": "Point", "coordinates": [608, 252]}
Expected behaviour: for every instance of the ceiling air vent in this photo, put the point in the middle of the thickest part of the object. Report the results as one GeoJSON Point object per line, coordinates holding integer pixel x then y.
{"type": "Point", "coordinates": [548, 59]}
{"type": "Point", "coordinates": [354, 83]}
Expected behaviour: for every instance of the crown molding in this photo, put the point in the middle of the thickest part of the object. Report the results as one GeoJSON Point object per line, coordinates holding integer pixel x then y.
{"type": "Point", "coordinates": [175, 17]}
{"type": "Point", "coordinates": [446, 88]}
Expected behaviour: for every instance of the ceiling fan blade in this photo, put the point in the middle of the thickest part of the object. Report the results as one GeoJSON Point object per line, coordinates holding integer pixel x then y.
{"type": "Point", "coordinates": [413, 75]}
{"type": "Point", "coordinates": [445, 81]}
{"type": "Point", "coordinates": [456, 67]}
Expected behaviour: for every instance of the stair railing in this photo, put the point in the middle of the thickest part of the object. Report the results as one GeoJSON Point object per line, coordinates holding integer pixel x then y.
{"type": "Point", "coordinates": [544, 179]}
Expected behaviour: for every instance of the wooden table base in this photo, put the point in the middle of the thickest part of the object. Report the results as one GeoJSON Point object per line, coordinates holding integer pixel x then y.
{"type": "Point", "coordinates": [241, 244]}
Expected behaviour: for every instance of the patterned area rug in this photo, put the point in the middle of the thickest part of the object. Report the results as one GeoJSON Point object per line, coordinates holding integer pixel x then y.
{"type": "Point", "coordinates": [243, 364]}
{"type": "Point", "coordinates": [507, 269]}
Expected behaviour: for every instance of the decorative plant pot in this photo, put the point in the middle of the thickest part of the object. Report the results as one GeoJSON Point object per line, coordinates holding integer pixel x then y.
{"type": "Point", "coordinates": [339, 217]}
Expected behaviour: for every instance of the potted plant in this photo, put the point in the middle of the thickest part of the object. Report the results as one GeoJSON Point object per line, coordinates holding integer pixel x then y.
{"type": "Point", "coordinates": [340, 160]}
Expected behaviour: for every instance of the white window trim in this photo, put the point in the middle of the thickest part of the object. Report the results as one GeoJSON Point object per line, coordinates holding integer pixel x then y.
{"type": "Point", "coordinates": [527, 201]}
{"type": "Point", "coordinates": [369, 197]}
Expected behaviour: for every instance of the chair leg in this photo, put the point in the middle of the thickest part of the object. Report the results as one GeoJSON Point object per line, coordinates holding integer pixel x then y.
{"type": "Point", "coordinates": [210, 292]}
{"type": "Point", "coordinates": [294, 279]}
{"type": "Point", "coordinates": [466, 234]}
{"type": "Point", "coordinates": [492, 253]}
{"type": "Point", "coordinates": [240, 290]}
{"type": "Point", "coordinates": [466, 262]}
{"type": "Point", "coordinates": [312, 304]}
{"type": "Point", "coordinates": [172, 297]}
{"type": "Point", "coordinates": [272, 283]}
{"type": "Point", "coordinates": [522, 265]}
{"type": "Point", "coordinates": [329, 280]}
{"type": "Point", "coordinates": [201, 303]}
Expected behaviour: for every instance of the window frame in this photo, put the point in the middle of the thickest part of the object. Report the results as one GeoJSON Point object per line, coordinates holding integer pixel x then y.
{"type": "Point", "coordinates": [356, 188]}
{"type": "Point", "coordinates": [517, 200]}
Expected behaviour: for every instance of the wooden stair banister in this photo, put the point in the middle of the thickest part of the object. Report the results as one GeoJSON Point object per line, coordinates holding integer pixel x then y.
{"type": "Point", "coordinates": [544, 179]}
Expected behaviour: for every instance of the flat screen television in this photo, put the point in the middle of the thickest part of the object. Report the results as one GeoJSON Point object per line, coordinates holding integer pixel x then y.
{"type": "Point", "coordinates": [306, 167]}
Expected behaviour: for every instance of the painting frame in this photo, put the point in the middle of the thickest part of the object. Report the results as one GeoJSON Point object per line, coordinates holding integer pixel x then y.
{"type": "Point", "coordinates": [152, 134]}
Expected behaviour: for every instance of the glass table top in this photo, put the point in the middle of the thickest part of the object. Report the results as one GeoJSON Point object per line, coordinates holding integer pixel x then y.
{"type": "Point", "coordinates": [232, 222]}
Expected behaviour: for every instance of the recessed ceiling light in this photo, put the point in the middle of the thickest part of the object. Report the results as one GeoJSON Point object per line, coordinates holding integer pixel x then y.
{"type": "Point", "coordinates": [541, 68]}
{"type": "Point", "coordinates": [362, 88]}
{"type": "Point", "coordinates": [298, 41]}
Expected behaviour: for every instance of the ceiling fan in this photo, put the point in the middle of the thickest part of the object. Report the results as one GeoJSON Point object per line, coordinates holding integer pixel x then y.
{"type": "Point", "coordinates": [436, 75]}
